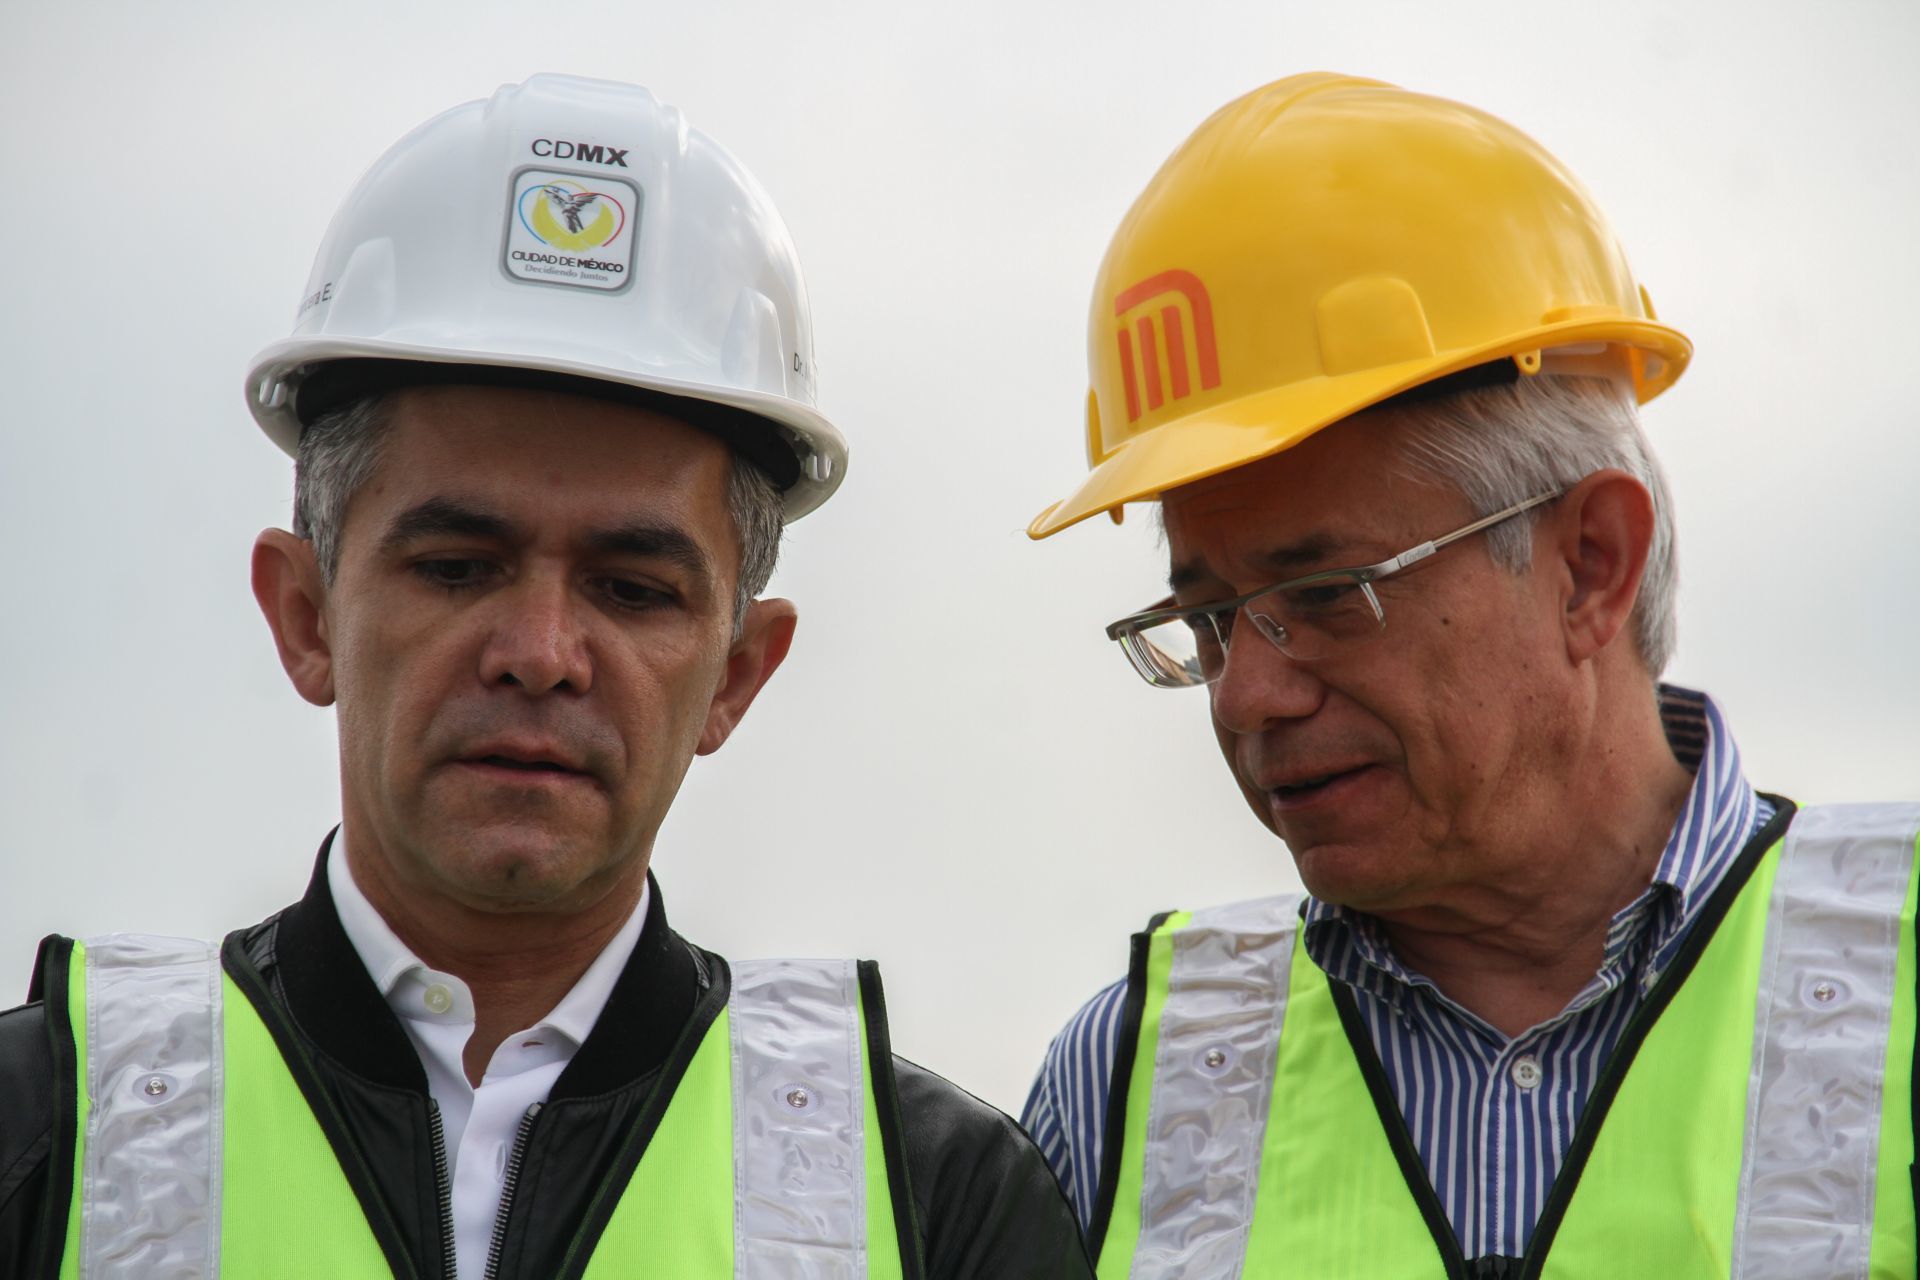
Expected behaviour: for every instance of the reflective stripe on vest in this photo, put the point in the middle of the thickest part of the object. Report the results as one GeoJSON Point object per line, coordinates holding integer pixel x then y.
{"type": "Point", "coordinates": [149, 1167]}
{"type": "Point", "coordinates": [1218, 1038]}
{"type": "Point", "coordinates": [1825, 1002]}
{"type": "Point", "coordinates": [826, 1151]}
{"type": "Point", "coordinates": [799, 1133]}
{"type": "Point", "coordinates": [173, 1058]}
{"type": "Point", "coordinates": [1764, 1129]}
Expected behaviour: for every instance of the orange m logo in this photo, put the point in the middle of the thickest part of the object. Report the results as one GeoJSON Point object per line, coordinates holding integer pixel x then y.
{"type": "Point", "coordinates": [1183, 284]}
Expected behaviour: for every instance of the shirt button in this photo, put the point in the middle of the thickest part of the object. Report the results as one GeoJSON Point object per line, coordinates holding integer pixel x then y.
{"type": "Point", "coordinates": [1525, 1071]}
{"type": "Point", "coordinates": [437, 999]}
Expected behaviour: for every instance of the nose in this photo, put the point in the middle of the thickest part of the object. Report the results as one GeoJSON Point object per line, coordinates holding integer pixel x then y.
{"type": "Point", "coordinates": [537, 641]}
{"type": "Point", "coordinates": [1259, 685]}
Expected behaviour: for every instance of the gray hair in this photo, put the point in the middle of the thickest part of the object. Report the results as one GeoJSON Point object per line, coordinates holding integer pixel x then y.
{"type": "Point", "coordinates": [340, 449]}
{"type": "Point", "coordinates": [1500, 445]}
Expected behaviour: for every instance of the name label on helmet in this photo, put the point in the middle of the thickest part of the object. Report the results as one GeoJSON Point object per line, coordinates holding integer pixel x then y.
{"type": "Point", "coordinates": [590, 152]}
{"type": "Point", "coordinates": [323, 294]}
{"type": "Point", "coordinates": [571, 229]}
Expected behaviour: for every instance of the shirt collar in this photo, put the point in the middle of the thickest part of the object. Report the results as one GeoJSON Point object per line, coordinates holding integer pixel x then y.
{"type": "Point", "coordinates": [1721, 811]}
{"type": "Point", "coordinates": [1719, 816]}
{"type": "Point", "coordinates": [403, 978]}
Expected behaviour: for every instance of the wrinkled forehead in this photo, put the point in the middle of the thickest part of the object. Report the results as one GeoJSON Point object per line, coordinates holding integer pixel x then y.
{"type": "Point", "coordinates": [1350, 481]}
{"type": "Point", "coordinates": [551, 459]}
{"type": "Point", "coordinates": [538, 436]}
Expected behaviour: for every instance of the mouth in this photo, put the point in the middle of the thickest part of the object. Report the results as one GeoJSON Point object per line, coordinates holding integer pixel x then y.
{"type": "Point", "coordinates": [525, 766]}
{"type": "Point", "coordinates": [531, 767]}
{"type": "Point", "coordinates": [1307, 791]}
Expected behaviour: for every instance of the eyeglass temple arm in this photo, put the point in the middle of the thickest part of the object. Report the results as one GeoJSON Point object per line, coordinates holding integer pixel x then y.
{"type": "Point", "coordinates": [1426, 549]}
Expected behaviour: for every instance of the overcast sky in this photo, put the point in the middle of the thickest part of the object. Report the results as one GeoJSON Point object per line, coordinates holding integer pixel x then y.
{"type": "Point", "coordinates": [954, 773]}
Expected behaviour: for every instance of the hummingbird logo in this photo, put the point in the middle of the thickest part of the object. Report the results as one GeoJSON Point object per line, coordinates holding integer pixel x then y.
{"type": "Point", "coordinates": [569, 204]}
{"type": "Point", "coordinates": [571, 217]}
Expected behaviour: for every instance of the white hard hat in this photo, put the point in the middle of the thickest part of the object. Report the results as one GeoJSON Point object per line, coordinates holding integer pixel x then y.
{"type": "Point", "coordinates": [572, 234]}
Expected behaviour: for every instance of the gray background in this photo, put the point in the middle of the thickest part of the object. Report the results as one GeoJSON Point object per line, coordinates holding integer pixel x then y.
{"type": "Point", "coordinates": [953, 774]}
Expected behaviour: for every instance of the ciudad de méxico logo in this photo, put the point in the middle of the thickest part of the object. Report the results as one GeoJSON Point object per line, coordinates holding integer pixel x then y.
{"type": "Point", "coordinates": [564, 231]}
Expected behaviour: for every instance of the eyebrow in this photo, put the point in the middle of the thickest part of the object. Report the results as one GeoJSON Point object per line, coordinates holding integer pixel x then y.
{"type": "Point", "coordinates": [1302, 555]}
{"type": "Point", "coordinates": [438, 517]}
{"type": "Point", "coordinates": [654, 542]}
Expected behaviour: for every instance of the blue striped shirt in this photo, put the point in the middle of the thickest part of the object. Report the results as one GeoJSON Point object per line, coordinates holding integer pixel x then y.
{"type": "Point", "coordinates": [1491, 1117]}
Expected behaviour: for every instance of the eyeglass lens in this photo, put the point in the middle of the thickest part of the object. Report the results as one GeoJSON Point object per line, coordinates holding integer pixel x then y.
{"type": "Point", "coordinates": [1304, 622]}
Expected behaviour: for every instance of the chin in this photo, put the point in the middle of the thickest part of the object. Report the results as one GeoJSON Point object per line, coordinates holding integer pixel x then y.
{"type": "Point", "coordinates": [517, 863]}
{"type": "Point", "coordinates": [1366, 878]}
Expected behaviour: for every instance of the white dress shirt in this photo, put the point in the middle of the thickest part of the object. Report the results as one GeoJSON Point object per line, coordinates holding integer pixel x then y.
{"type": "Point", "coordinates": [437, 1010]}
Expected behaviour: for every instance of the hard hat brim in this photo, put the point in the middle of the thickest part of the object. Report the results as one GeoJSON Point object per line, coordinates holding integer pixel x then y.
{"type": "Point", "coordinates": [274, 383]}
{"type": "Point", "coordinates": [1219, 437]}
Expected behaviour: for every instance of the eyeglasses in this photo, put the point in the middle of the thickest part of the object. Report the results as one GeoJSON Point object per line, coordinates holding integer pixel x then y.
{"type": "Point", "coordinates": [1310, 618]}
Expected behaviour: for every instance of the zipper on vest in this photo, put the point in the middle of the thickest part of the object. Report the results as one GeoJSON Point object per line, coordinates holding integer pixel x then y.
{"type": "Point", "coordinates": [508, 1182]}
{"type": "Point", "coordinates": [442, 1186]}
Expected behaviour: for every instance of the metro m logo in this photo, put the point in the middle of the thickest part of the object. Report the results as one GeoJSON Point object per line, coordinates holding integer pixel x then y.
{"type": "Point", "coordinates": [1179, 284]}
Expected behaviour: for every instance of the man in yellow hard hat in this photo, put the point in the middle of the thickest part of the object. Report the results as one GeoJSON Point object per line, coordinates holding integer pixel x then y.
{"type": "Point", "coordinates": [550, 398]}
{"type": "Point", "coordinates": [1565, 995]}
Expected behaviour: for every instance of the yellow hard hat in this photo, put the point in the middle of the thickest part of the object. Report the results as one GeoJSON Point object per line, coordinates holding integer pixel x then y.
{"type": "Point", "coordinates": [1320, 245]}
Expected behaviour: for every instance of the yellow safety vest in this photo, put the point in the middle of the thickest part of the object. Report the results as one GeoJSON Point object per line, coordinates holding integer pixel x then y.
{"type": "Point", "coordinates": [195, 1147]}
{"type": "Point", "coordinates": [1756, 1119]}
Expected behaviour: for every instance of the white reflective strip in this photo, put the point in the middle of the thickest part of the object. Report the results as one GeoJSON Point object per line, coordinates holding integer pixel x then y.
{"type": "Point", "coordinates": [150, 1181]}
{"type": "Point", "coordinates": [1212, 1085]}
{"type": "Point", "coordinates": [1820, 1040]}
{"type": "Point", "coordinates": [799, 1110]}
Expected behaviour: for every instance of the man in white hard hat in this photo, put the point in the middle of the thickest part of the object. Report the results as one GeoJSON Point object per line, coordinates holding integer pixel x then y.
{"type": "Point", "coordinates": [550, 396]}
{"type": "Point", "coordinates": [1565, 995]}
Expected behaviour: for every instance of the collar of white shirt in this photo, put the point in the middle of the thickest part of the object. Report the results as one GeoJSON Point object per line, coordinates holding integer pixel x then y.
{"type": "Point", "coordinates": [420, 994]}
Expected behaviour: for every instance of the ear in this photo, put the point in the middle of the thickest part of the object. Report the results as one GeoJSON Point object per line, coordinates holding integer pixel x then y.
{"type": "Point", "coordinates": [765, 637]}
{"type": "Point", "coordinates": [1601, 534]}
{"type": "Point", "coordinates": [286, 582]}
